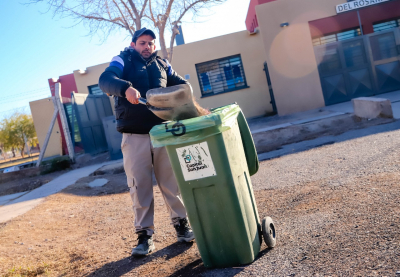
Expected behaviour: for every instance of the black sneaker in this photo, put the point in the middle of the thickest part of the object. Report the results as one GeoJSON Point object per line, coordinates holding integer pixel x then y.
{"type": "Point", "coordinates": [145, 244]}
{"type": "Point", "coordinates": [183, 231]}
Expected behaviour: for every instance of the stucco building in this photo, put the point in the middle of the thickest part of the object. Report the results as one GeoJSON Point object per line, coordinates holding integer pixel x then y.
{"type": "Point", "coordinates": [322, 52]}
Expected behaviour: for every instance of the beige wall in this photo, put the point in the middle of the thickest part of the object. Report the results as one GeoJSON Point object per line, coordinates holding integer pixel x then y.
{"type": "Point", "coordinates": [254, 100]}
{"type": "Point", "coordinates": [42, 112]}
{"type": "Point", "coordinates": [290, 53]}
{"type": "Point", "coordinates": [90, 78]}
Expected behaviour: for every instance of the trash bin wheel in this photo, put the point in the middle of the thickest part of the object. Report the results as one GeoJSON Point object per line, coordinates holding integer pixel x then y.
{"type": "Point", "coordinates": [269, 232]}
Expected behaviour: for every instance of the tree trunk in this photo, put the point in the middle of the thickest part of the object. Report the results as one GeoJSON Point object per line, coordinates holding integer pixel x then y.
{"type": "Point", "coordinates": [138, 24]}
{"type": "Point", "coordinates": [171, 47]}
{"type": "Point", "coordinates": [22, 151]}
{"type": "Point", "coordinates": [164, 51]}
{"type": "Point", "coordinates": [3, 153]}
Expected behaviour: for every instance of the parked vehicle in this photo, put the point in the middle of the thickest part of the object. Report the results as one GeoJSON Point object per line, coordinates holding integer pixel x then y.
{"type": "Point", "coordinates": [11, 169]}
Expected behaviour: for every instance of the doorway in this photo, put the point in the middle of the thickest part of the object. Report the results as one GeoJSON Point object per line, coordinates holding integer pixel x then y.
{"type": "Point", "coordinates": [362, 66]}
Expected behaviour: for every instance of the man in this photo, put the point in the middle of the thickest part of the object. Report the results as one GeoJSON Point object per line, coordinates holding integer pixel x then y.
{"type": "Point", "coordinates": [129, 76]}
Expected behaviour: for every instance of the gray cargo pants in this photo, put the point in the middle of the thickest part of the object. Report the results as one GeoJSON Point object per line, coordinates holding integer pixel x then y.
{"type": "Point", "coordinates": [140, 158]}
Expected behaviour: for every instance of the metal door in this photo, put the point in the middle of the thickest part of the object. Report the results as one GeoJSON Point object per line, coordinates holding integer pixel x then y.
{"type": "Point", "coordinates": [362, 66]}
{"type": "Point", "coordinates": [90, 110]}
{"type": "Point", "coordinates": [344, 70]}
{"type": "Point", "coordinates": [384, 49]}
{"type": "Point", "coordinates": [113, 137]}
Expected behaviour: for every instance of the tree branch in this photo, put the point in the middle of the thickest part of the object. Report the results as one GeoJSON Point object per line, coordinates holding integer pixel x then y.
{"type": "Point", "coordinates": [98, 18]}
{"type": "Point", "coordinates": [188, 8]}
{"type": "Point", "coordinates": [175, 31]}
{"type": "Point", "coordinates": [123, 18]}
{"type": "Point", "coordinates": [129, 11]}
{"type": "Point", "coordinates": [143, 8]}
{"type": "Point", "coordinates": [133, 6]}
{"type": "Point", "coordinates": [168, 10]}
{"type": "Point", "coordinates": [151, 13]}
{"type": "Point", "coordinates": [104, 16]}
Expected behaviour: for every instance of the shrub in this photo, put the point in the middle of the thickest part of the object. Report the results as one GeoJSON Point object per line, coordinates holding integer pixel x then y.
{"type": "Point", "coordinates": [57, 164]}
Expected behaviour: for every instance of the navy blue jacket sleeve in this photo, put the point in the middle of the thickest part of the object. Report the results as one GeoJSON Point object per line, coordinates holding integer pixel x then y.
{"type": "Point", "coordinates": [110, 80]}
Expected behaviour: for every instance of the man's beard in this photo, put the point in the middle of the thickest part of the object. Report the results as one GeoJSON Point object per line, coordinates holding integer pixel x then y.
{"type": "Point", "coordinates": [148, 54]}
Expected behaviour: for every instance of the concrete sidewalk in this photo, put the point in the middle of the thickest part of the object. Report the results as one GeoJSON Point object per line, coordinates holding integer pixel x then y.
{"type": "Point", "coordinates": [24, 202]}
{"type": "Point", "coordinates": [270, 133]}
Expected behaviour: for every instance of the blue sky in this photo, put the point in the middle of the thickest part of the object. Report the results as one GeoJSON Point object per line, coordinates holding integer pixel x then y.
{"type": "Point", "coordinates": [35, 46]}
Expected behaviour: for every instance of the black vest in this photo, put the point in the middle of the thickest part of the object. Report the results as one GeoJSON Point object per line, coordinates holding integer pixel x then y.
{"type": "Point", "coordinates": [143, 75]}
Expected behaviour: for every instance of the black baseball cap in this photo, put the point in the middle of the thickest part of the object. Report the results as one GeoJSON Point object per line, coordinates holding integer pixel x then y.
{"type": "Point", "coordinates": [141, 32]}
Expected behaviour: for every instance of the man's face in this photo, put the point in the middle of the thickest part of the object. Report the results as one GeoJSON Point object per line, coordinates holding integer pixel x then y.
{"type": "Point", "coordinates": [145, 45]}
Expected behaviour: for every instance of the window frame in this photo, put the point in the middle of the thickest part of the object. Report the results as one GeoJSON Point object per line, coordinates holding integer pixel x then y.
{"type": "Point", "coordinates": [335, 36]}
{"type": "Point", "coordinates": [94, 86]}
{"type": "Point", "coordinates": [395, 19]}
{"type": "Point", "coordinates": [227, 59]}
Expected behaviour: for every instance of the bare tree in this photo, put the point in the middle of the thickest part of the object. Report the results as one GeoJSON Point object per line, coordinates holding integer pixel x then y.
{"type": "Point", "coordinates": [104, 16]}
{"type": "Point", "coordinates": [100, 16]}
{"type": "Point", "coordinates": [167, 14]}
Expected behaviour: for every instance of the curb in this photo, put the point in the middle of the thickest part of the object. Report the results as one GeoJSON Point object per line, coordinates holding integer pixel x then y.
{"type": "Point", "coordinates": [272, 138]}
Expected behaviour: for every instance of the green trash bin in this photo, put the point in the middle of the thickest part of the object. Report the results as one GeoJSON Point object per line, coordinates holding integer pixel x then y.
{"type": "Point", "coordinates": [213, 157]}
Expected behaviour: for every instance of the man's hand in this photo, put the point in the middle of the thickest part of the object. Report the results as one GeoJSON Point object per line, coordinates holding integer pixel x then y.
{"type": "Point", "coordinates": [132, 95]}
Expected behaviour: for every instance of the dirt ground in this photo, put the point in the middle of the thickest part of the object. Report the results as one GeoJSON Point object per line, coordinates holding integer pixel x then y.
{"type": "Point", "coordinates": [30, 183]}
{"type": "Point", "coordinates": [324, 229]}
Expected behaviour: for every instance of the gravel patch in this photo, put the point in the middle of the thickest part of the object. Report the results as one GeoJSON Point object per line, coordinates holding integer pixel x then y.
{"type": "Point", "coordinates": [336, 210]}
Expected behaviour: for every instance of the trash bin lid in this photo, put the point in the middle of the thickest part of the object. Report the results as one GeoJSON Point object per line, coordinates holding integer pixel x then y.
{"type": "Point", "coordinates": [195, 129]}
{"type": "Point", "coordinates": [198, 128]}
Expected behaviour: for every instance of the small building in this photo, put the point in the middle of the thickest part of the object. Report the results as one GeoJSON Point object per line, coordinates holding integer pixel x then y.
{"type": "Point", "coordinates": [323, 52]}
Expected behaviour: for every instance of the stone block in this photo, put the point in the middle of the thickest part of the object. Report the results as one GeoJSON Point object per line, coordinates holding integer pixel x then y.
{"type": "Point", "coordinates": [371, 107]}
{"type": "Point", "coordinates": [98, 183]}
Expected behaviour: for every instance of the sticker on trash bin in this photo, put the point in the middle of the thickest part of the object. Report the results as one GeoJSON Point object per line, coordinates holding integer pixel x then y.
{"type": "Point", "coordinates": [195, 161]}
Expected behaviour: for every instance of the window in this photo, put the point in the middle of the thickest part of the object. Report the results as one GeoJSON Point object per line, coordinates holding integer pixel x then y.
{"type": "Point", "coordinates": [95, 90]}
{"type": "Point", "coordinates": [382, 26]}
{"type": "Point", "coordinates": [383, 46]}
{"type": "Point", "coordinates": [76, 137]}
{"type": "Point", "coordinates": [222, 75]}
{"type": "Point", "coordinates": [337, 37]}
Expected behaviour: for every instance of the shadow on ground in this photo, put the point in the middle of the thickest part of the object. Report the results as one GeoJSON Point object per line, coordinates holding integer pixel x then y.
{"type": "Point", "coordinates": [116, 183]}
{"type": "Point", "coordinates": [194, 268]}
{"type": "Point", "coordinates": [123, 266]}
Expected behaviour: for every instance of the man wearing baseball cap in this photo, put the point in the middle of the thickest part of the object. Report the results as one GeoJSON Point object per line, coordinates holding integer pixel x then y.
{"type": "Point", "coordinates": [129, 76]}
